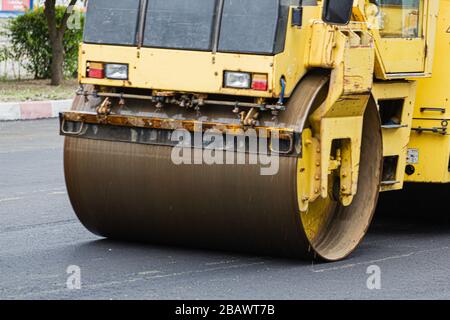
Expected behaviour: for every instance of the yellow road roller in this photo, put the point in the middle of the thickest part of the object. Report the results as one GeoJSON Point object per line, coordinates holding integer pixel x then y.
{"type": "Point", "coordinates": [267, 127]}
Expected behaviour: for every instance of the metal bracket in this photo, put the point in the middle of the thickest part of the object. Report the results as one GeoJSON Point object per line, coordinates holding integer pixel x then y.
{"type": "Point", "coordinates": [70, 133]}
{"type": "Point", "coordinates": [425, 109]}
{"type": "Point", "coordinates": [437, 130]}
{"type": "Point", "coordinates": [288, 151]}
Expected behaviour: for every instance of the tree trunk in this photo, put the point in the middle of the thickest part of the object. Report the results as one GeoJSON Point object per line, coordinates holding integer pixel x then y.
{"type": "Point", "coordinates": [56, 34]}
{"type": "Point", "coordinates": [57, 61]}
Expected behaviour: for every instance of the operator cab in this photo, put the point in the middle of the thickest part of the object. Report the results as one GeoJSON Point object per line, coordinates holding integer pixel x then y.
{"type": "Point", "coordinates": [401, 30]}
{"type": "Point", "coordinates": [197, 25]}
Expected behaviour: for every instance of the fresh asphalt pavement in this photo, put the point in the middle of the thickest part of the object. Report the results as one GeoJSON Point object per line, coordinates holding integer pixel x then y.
{"type": "Point", "coordinates": [40, 238]}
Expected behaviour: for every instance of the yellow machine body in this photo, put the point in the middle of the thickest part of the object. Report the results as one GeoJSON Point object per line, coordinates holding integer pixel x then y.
{"type": "Point", "coordinates": [390, 56]}
{"type": "Point", "coordinates": [202, 72]}
{"type": "Point", "coordinates": [398, 55]}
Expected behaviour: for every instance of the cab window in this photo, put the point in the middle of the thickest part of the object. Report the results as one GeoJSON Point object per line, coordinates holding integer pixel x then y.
{"type": "Point", "coordinates": [112, 22]}
{"type": "Point", "coordinates": [400, 18]}
{"type": "Point", "coordinates": [180, 24]}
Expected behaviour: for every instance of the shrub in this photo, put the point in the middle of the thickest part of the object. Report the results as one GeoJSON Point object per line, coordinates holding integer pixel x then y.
{"type": "Point", "coordinates": [31, 45]}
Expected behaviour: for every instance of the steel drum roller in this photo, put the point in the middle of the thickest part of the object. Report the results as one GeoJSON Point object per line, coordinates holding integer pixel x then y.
{"type": "Point", "coordinates": [135, 192]}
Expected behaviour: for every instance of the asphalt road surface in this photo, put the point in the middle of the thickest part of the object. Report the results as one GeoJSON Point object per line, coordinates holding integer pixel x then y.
{"type": "Point", "coordinates": [40, 238]}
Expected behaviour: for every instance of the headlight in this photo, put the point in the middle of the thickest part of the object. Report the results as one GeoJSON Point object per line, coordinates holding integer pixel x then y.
{"type": "Point", "coordinates": [238, 80]}
{"type": "Point", "coordinates": [116, 71]}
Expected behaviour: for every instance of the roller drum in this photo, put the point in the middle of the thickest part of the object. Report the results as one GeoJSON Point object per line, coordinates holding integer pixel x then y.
{"type": "Point", "coordinates": [135, 192]}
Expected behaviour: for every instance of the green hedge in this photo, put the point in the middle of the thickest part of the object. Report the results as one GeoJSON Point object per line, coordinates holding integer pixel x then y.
{"type": "Point", "coordinates": [30, 43]}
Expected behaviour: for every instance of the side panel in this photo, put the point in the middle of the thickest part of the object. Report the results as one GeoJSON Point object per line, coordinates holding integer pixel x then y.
{"type": "Point", "coordinates": [430, 142]}
{"type": "Point", "coordinates": [434, 92]}
{"type": "Point", "coordinates": [429, 154]}
{"type": "Point", "coordinates": [411, 51]}
{"type": "Point", "coordinates": [396, 100]}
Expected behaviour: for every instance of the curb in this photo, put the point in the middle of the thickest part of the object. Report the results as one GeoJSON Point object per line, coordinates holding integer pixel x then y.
{"type": "Point", "coordinates": [11, 111]}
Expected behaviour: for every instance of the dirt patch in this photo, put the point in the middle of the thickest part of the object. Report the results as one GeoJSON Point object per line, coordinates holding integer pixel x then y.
{"type": "Point", "coordinates": [36, 90]}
